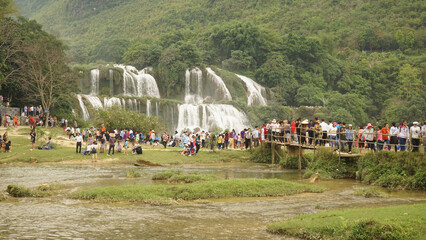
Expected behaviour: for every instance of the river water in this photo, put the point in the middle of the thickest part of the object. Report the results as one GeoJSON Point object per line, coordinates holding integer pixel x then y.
{"type": "Point", "coordinates": [59, 217]}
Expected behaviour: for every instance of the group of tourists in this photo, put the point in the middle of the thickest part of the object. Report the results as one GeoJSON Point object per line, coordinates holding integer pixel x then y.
{"type": "Point", "coordinates": [9, 121]}
{"type": "Point", "coordinates": [341, 136]}
{"type": "Point", "coordinates": [5, 143]}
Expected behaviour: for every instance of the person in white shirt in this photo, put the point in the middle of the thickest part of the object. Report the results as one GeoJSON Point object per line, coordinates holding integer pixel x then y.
{"type": "Point", "coordinates": [404, 134]}
{"type": "Point", "coordinates": [78, 140]}
{"type": "Point", "coordinates": [324, 129]}
{"type": "Point", "coordinates": [415, 133]}
{"type": "Point", "coordinates": [368, 134]}
{"type": "Point", "coordinates": [256, 135]}
{"type": "Point", "coordinates": [394, 136]}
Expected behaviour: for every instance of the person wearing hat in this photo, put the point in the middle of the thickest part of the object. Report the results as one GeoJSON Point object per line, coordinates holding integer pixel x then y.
{"type": "Point", "coordinates": [415, 136]}
{"type": "Point", "coordinates": [111, 144]}
{"type": "Point", "coordinates": [368, 135]}
{"type": "Point", "coordinates": [404, 134]}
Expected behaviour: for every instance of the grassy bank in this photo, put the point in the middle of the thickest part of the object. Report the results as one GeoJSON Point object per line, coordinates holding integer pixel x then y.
{"type": "Point", "coordinates": [163, 194]}
{"type": "Point", "coordinates": [177, 176]}
{"type": "Point", "coordinates": [401, 170]}
{"type": "Point", "coordinates": [401, 222]}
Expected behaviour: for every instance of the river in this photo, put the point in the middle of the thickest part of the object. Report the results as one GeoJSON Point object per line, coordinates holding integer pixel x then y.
{"type": "Point", "coordinates": [60, 217]}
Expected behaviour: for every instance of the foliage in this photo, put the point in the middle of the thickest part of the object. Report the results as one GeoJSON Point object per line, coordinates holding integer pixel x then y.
{"type": "Point", "coordinates": [394, 170]}
{"type": "Point", "coordinates": [177, 176]}
{"type": "Point", "coordinates": [20, 192]}
{"type": "Point", "coordinates": [400, 222]}
{"type": "Point", "coordinates": [160, 194]}
{"type": "Point", "coordinates": [369, 192]}
{"type": "Point", "coordinates": [125, 119]}
{"type": "Point", "coordinates": [326, 164]}
{"type": "Point", "coordinates": [133, 173]}
{"type": "Point", "coordinates": [109, 50]}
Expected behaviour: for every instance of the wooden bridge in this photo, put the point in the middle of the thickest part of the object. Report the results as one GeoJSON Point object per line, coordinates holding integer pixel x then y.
{"type": "Point", "coordinates": [295, 149]}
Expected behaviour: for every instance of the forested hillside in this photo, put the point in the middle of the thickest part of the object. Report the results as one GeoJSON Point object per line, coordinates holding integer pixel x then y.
{"type": "Point", "coordinates": [361, 60]}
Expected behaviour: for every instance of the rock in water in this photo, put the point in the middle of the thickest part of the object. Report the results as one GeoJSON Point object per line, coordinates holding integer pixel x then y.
{"type": "Point", "coordinates": [314, 177]}
{"type": "Point", "coordinates": [141, 162]}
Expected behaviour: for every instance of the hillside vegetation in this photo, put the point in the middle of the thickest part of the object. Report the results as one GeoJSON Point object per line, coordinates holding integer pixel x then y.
{"type": "Point", "coordinates": [361, 60]}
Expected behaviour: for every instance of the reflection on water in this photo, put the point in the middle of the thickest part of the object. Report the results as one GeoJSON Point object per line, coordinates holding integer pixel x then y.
{"type": "Point", "coordinates": [63, 218]}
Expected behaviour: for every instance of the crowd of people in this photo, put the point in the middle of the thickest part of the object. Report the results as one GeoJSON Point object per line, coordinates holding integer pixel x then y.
{"type": "Point", "coordinates": [344, 137]}
{"type": "Point", "coordinates": [337, 135]}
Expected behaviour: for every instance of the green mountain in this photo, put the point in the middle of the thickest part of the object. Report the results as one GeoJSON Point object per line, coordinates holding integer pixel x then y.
{"type": "Point", "coordinates": [360, 60]}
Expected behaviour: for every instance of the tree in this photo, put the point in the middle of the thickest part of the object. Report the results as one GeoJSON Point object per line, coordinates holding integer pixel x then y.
{"type": "Point", "coordinates": [7, 7]}
{"type": "Point", "coordinates": [109, 50]}
{"type": "Point", "coordinates": [44, 73]}
{"type": "Point", "coordinates": [409, 80]}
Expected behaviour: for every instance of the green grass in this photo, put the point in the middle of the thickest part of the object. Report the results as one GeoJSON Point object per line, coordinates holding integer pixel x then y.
{"type": "Point", "coordinates": [369, 192]}
{"type": "Point", "coordinates": [176, 176]}
{"type": "Point", "coordinates": [133, 173]}
{"type": "Point", "coordinates": [20, 192]}
{"type": "Point", "coordinates": [401, 222]}
{"type": "Point", "coordinates": [165, 194]}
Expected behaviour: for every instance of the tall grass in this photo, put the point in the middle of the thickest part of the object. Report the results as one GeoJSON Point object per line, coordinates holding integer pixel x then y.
{"type": "Point", "coordinates": [164, 194]}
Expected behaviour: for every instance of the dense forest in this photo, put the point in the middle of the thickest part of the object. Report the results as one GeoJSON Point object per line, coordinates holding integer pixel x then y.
{"type": "Point", "coordinates": [359, 60]}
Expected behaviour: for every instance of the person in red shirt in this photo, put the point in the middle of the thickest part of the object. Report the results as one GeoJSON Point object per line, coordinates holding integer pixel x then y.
{"type": "Point", "coordinates": [293, 129]}
{"type": "Point", "coordinates": [385, 135]}
{"type": "Point", "coordinates": [32, 122]}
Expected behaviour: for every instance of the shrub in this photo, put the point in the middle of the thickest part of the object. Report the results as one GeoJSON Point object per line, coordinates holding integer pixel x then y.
{"type": "Point", "coordinates": [133, 173]}
{"type": "Point", "coordinates": [370, 229]}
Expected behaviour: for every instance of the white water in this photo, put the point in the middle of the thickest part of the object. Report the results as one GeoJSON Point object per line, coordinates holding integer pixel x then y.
{"type": "Point", "coordinates": [254, 91]}
{"type": "Point", "coordinates": [94, 101]}
{"type": "Point", "coordinates": [110, 102]}
{"type": "Point", "coordinates": [197, 96]}
{"type": "Point", "coordinates": [148, 107]}
{"type": "Point", "coordinates": [194, 114]}
{"type": "Point", "coordinates": [221, 90]}
{"type": "Point", "coordinates": [209, 116]}
{"type": "Point", "coordinates": [157, 108]}
{"type": "Point", "coordinates": [138, 83]}
{"type": "Point", "coordinates": [94, 80]}
{"type": "Point", "coordinates": [83, 108]}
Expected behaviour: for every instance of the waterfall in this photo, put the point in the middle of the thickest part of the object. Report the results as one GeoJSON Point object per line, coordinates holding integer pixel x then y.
{"type": "Point", "coordinates": [94, 101]}
{"type": "Point", "coordinates": [123, 103]}
{"type": "Point", "coordinates": [138, 83]}
{"type": "Point", "coordinates": [148, 107]}
{"type": "Point", "coordinates": [194, 114]}
{"type": "Point", "coordinates": [157, 108]}
{"type": "Point", "coordinates": [130, 104]}
{"type": "Point", "coordinates": [135, 105]}
{"type": "Point", "coordinates": [221, 91]}
{"type": "Point", "coordinates": [254, 91]}
{"type": "Point", "coordinates": [83, 108]}
{"type": "Point", "coordinates": [212, 115]}
{"type": "Point", "coordinates": [110, 102]}
{"type": "Point", "coordinates": [111, 82]}
{"type": "Point", "coordinates": [94, 79]}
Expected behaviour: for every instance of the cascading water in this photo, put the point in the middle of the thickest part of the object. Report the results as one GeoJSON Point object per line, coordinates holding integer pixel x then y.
{"type": "Point", "coordinates": [148, 107]}
{"type": "Point", "coordinates": [157, 108]}
{"type": "Point", "coordinates": [254, 91]}
{"type": "Point", "coordinates": [83, 108]}
{"type": "Point", "coordinates": [110, 102]}
{"type": "Point", "coordinates": [138, 83]}
{"type": "Point", "coordinates": [194, 114]}
{"type": "Point", "coordinates": [94, 101]}
{"type": "Point", "coordinates": [94, 79]}
{"type": "Point", "coordinates": [221, 92]}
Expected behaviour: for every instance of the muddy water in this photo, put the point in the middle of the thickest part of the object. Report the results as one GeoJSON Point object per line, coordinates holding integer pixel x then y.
{"type": "Point", "coordinates": [63, 218]}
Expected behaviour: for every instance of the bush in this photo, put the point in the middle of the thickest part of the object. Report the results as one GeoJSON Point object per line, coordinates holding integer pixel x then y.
{"type": "Point", "coordinates": [126, 119]}
{"type": "Point", "coordinates": [263, 154]}
{"type": "Point", "coordinates": [18, 191]}
{"type": "Point", "coordinates": [326, 163]}
{"type": "Point", "coordinates": [166, 174]}
{"type": "Point", "coordinates": [370, 229]}
{"type": "Point", "coordinates": [405, 170]}
{"type": "Point", "coordinates": [133, 173]}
